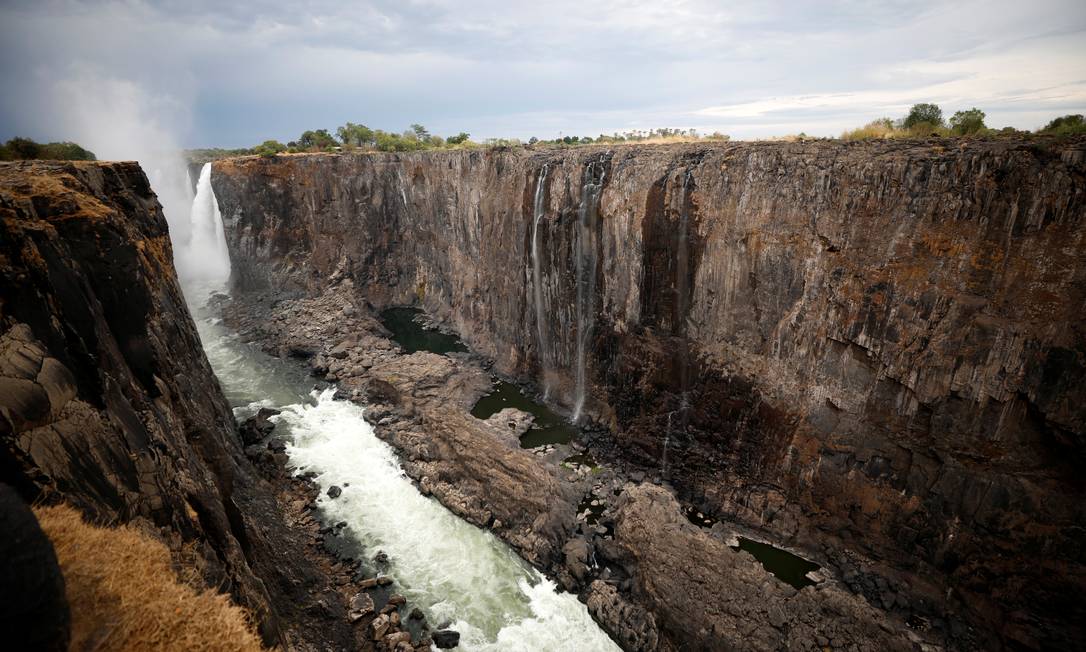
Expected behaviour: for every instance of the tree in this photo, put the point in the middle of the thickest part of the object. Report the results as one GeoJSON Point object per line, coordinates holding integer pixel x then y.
{"type": "Point", "coordinates": [358, 135]}
{"type": "Point", "coordinates": [967, 122]}
{"type": "Point", "coordinates": [1064, 125]}
{"type": "Point", "coordinates": [923, 114]}
{"type": "Point", "coordinates": [23, 148]}
{"type": "Point", "coordinates": [319, 139]}
{"type": "Point", "coordinates": [269, 148]}
{"type": "Point", "coordinates": [458, 138]}
{"type": "Point", "coordinates": [420, 132]}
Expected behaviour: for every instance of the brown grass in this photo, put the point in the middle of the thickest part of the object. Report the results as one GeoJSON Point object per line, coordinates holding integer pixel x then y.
{"type": "Point", "coordinates": [124, 594]}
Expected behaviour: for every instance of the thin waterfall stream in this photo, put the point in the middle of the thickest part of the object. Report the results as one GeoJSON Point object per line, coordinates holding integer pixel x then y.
{"type": "Point", "coordinates": [679, 322]}
{"type": "Point", "coordinates": [585, 248]}
{"type": "Point", "coordinates": [537, 280]}
{"type": "Point", "coordinates": [458, 574]}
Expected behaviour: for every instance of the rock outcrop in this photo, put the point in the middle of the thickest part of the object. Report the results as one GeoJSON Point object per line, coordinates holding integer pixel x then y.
{"type": "Point", "coordinates": [871, 349]}
{"type": "Point", "coordinates": [701, 590]}
{"type": "Point", "coordinates": [107, 401]}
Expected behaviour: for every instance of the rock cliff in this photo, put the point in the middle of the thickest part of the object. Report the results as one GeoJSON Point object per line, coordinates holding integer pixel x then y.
{"type": "Point", "coordinates": [872, 350]}
{"type": "Point", "coordinates": [107, 401]}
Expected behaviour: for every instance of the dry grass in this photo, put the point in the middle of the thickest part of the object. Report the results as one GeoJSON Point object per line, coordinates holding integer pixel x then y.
{"type": "Point", "coordinates": [885, 129]}
{"type": "Point", "coordinates": [124, 594]}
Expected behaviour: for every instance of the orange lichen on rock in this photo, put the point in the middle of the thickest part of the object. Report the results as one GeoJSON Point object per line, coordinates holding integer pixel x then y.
{"type": "Point", "coordinates": [124, 594]}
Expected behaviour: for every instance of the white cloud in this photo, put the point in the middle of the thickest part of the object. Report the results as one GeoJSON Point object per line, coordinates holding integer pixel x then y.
{"type": "Point", "coordinates": [259, 69]}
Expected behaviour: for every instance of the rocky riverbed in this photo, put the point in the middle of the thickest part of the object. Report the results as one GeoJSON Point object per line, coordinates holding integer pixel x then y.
{"type": "Point", "coordinates": [599, 528]}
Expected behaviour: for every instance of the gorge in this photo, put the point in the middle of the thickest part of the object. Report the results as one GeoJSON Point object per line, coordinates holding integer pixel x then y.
{"type": "Point", "coordinates": [884, 338]}
{"type": "Point", "coordinates": [868, 354]}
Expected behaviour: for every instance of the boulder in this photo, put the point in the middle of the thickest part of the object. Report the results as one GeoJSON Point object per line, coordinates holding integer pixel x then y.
{"type": "Point", "coordinates": [446, 638]}
{"type": "Point", "coordinates": [361, 606]}
{"type": "Point", "coordinates": [334, 492]}
{"type": "Point", "coordinates": [379, 627]}
{"type": "Point", "coordinates": [254, 429]}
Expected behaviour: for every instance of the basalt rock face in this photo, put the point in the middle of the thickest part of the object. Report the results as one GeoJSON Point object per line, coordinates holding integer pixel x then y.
{"type": "Point", "coordinates": [106, 399]}
{"type": "Point", "coordinates": [873, 348]}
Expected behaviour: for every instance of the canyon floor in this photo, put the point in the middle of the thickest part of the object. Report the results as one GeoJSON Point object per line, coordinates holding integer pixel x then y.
{"type": "Point", "coordinates": [602, 526]}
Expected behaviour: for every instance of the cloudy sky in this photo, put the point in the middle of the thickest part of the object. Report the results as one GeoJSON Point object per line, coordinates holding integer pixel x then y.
{"type": "Point", "coordinates": [233, 73]}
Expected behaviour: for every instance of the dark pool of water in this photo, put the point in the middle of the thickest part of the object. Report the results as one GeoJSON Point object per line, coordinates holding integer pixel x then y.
{"type": "Point", "coordinates": [583, 459]}
{"type": "Point", "coordinates": [787, 567]}
{"type": "Point", "coordinates": [698, 518]}
{"type": "Point", "coordinates": [548, 427]}
{"type": "Point", "coordinates": [594, 511]}
{"type": "Point", "coordinates": [409, 333]}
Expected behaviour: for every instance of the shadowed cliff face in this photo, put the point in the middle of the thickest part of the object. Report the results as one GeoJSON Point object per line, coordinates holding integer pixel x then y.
{"type": "Point", "coordinates": [875, 346]}
{"type": "Point", "coordinates": [106, 399]}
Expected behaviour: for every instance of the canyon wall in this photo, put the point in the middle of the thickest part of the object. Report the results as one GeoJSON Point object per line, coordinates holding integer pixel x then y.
{"type": "Point", "coordinates": [870, 349]}
{"type": "Point", "coordinates": [107, 401]}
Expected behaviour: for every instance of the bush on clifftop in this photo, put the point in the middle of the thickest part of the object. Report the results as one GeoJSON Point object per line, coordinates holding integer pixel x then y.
{"type": "Point", "coordinates": [1067, 125]}
{"type": "Point", "coordinates": [22, 149]}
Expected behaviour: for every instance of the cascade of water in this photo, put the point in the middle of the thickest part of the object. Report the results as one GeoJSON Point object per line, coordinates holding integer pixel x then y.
{"type": "Point", "coordinates": [682, 271]}
{"type": "Point", "coordinates": [667, 442]}
{"type": "Point", "coordinates": [588, 215]}
{"type": "Point", "coordinates": [203, 258]}
{"type": "Point", "coordinates": [681, 304]}
{"type": "Point", "coordinates": [537, 279]}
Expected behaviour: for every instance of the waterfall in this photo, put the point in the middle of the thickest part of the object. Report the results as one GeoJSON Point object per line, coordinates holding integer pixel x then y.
{"type": "Point", "coordinates": [537, 280]}
{"type": "Point", "coordinates": [202, 258]}
{"type": "Point", "coordinates": [679, 321]}
{"type": "Point", "coordinates": [587, 219]}
{"type": "Point", "coordinates": [667, 442]}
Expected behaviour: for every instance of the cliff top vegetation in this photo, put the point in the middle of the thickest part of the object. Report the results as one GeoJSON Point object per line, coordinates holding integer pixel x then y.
{"type": "Point", "coordinates": [926, 119]}
{"type": "Point", "coordinates": [922, 121]}
{"type": "Point", "coordinates": [23, 149]}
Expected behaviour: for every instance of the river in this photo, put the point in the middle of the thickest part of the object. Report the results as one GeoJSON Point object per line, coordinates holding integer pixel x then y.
{"type": "Point", "coordinates": [456, 573]}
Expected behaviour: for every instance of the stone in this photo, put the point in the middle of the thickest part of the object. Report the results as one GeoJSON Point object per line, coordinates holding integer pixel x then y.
{"type": "Point", "coordinates": [361, 606]}
{"type": "Point", "coordinates": [371, 582]}
{"type": "Point", "coordinates": [334, 492]}
{"type": "Point", "coordinates": [392, 640]}
{"type": "Point", "coordinates": [445, 638]}
{"type": "Point", "coordinates": [379, 627]}
{"type": "Point", "coordinates": [257, 427]}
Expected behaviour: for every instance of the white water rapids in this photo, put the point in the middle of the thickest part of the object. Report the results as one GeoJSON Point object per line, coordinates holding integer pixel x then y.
{"type": "Point", "coordinates": [455, 572]}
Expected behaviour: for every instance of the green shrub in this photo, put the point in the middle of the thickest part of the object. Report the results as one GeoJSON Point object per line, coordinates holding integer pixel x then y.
{"type": "Point", "coordinates": [923, 113]}
{"type": "Point", "coordinates": [1066, 125]}
{"type": "Point", "coordinates": [269, 148]}
{"type": "Point", "coordinates": [21, 149]}
{"type": "Point", "coordinates": [316, 140]}
{"type": "Point", "coordinates": [968, 122]}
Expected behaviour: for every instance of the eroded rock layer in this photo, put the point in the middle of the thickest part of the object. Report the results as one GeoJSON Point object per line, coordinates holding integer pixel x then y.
{"type": "Point", "coordinates": [870, 349]}
{"type": "Point", "coordinates": [108, 403]}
